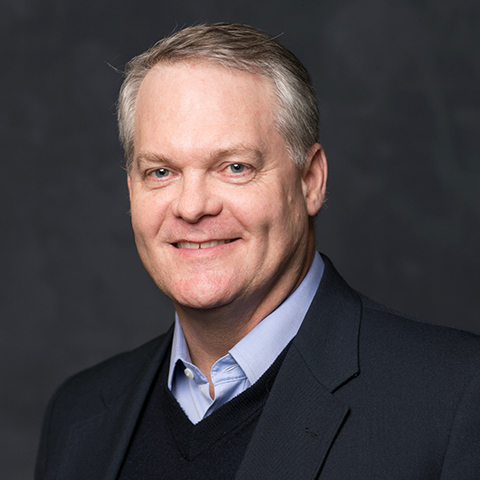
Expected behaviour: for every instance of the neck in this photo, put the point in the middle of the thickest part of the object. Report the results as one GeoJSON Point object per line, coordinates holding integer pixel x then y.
{"type": "Point", "coordinates": [211, 333]}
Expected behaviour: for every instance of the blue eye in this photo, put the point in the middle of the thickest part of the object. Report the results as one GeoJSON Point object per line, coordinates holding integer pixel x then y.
{"type": "Point", "coordinates": [236, 168]}
{"type": "Point", "coordinates": [161, 173]}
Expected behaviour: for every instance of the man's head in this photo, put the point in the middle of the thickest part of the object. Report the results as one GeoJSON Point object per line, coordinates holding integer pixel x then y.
{"type": "Point", "coordinates": [236, 47]}
{"type": "Point", "coordinates": [221, 214]}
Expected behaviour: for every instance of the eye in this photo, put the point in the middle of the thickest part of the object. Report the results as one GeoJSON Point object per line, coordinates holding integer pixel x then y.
{"type": "Point", "coordinates": [238, 173]}
{"type": "Point", "coordinates": [160, 173]}
{"type": "Point", "coordinates": [237, 168]}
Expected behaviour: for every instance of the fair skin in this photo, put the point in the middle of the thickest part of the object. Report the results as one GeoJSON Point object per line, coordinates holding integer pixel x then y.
{"type": "Point", "coordinates": [210, 169]}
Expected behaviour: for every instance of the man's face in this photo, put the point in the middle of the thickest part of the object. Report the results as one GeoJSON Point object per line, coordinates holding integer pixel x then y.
{"type": "Point", "coordinates": [211, 171]}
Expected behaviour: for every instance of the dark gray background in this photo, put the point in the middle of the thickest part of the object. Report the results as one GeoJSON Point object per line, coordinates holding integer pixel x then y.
{"type": "Point", "coordinates": [398, 83]}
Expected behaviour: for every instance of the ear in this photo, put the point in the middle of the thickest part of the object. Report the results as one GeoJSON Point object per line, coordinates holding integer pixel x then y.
{"type": "Point", "coordinates": [129, 184]}
{"type": "Point", "coordinates": [314, 179]}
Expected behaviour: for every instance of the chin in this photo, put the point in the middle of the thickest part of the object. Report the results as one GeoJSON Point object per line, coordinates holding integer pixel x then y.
{"type": "Point", "coordinates": [200, 303]}
{"type": "Point", "coordinates": [202, 297]}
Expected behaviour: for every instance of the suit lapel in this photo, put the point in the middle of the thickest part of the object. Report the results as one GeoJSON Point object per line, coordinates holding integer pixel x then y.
{"type": "Point", "coordinates": [296, 428]}
{"type": "Point", "coordinates": [97, 446]}
{"type": "Point", "coordinates": [302, 416]}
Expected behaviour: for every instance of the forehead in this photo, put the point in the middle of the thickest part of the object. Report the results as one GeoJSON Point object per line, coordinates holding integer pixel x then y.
{"type": "Point", "coordinates": [203, 102]}
{"type": "Point", "coordinates": [193, 68]}
{"type": "Point", "coordinates": [204, 80]}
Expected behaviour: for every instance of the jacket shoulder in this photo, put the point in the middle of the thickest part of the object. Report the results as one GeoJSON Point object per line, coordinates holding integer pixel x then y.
{"type": "Point", "coordinates": [414, 340]}
{"type": "Point", "coordinates": [89, 391]}
{"type": "Point", "coordinates": [87, 395]}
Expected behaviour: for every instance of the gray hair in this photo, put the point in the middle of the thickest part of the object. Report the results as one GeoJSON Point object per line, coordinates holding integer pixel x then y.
{"type": "Point", "coordinates": [237, 47]}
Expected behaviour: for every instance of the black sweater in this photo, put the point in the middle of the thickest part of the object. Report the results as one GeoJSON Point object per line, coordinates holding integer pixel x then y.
{"type": "Point", "coordinates": [166, 445]}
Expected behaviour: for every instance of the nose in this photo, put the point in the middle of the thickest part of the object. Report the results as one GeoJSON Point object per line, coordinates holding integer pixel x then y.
{"type": "Point", "coordinates": [195, 199]}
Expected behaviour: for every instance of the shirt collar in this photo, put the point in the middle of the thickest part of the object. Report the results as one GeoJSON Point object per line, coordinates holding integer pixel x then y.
{"type": "Point", "coordinates": [259, 348]}
{"type": "Point", "coordinates": [179, 350]}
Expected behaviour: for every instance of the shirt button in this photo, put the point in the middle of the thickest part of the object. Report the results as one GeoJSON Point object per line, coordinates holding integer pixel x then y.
{"type": "Point", "coordinates": [189, 374]}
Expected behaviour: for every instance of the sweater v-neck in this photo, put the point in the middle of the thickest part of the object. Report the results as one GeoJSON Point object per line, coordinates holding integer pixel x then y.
{"type": "Point", "coordinates": [166, 444]}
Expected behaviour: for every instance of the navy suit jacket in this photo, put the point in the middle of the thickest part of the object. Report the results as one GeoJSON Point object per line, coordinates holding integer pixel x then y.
{"type": "Point", "coordinates": [363, 393]}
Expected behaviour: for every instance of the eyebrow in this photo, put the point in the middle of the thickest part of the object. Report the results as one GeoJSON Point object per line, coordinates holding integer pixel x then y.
{"type": "Point", "coordinates": [239, 151]}
{"type": "Point", "coordinates": [148, 157]}
{"type": "Point", "coordinates": [222, 153]}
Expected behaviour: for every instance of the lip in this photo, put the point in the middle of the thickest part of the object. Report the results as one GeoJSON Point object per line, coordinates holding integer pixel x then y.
{"type": "Point", "coordinates": [188, 244]}
{"type": "Point", "coordinates": [188, 247]}
{"type": "Point", "coordinates": [201, 244]}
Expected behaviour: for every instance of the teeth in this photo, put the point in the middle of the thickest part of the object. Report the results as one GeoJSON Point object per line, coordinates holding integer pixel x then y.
{"type": "Point", "coordinates": [192, 245]}
{"type": "Point", "coordinates": [209, 244]}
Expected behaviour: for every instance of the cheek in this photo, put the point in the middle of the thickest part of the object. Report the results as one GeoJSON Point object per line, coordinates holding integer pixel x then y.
{"type": "Point", "coordinates": [266, 215]}
{"type": "Point", "coordinates": [253, 209]}
{"type": "Point", "coordinates": [147, 217]}
{"type": "Point", "coordinates": [291, 216]}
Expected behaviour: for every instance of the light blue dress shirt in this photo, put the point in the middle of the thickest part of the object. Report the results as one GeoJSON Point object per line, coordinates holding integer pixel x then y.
{"type": "Point", "coordinates": [247, 361]}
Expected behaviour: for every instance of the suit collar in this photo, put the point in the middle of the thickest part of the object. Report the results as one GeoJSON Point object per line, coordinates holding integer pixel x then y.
{"type": "Point", "coordinates": [158, 348]}
{"type": "Point", "coordinates": [97, 446]}
{"type": "Point", "coordinates": [328, 338]}
{"type": "Point", "coordinates": [302, 416]}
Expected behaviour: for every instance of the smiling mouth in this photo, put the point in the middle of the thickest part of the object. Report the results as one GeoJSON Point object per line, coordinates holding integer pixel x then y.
{"type": "Point", "coordinates": [196, 246]}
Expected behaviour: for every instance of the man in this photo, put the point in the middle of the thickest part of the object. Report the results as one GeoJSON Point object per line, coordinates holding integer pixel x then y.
{"type": "Point", "coordinates": [275, 367]}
